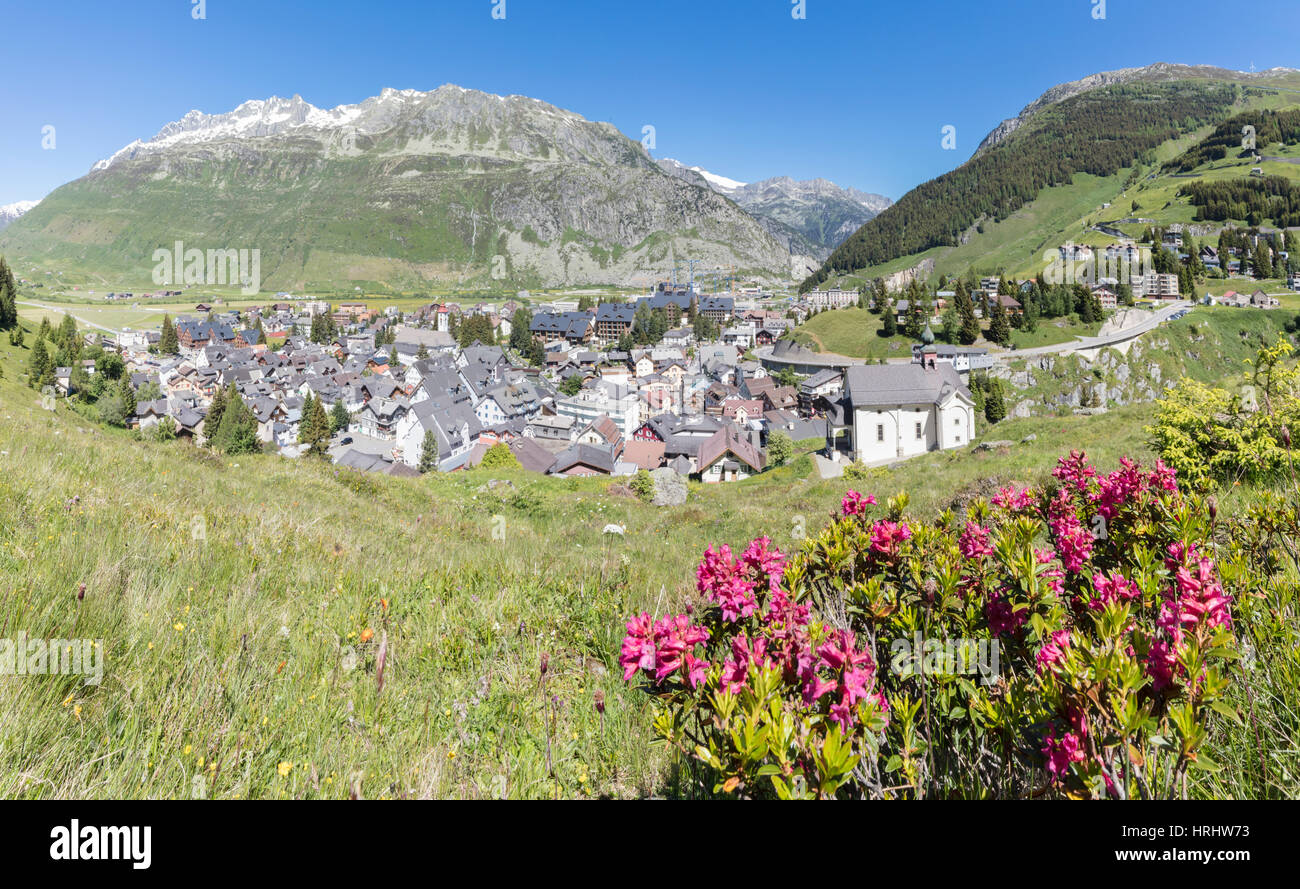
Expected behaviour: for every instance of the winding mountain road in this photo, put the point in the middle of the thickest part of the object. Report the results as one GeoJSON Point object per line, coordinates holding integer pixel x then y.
{"type": "Point", "coordinates": [1160, 316]}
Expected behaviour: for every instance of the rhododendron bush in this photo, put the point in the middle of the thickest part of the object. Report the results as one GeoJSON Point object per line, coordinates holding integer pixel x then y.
{"type": "Point", "coordinates": [1103, 625]}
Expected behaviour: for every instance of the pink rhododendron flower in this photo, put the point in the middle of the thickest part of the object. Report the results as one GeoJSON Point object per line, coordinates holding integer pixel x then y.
{"type": "Point", "coordinates": [638, 647]}
{"type": "Point", "coordinates": [1061, 754]}
{"type": "Point", "coordinates": [1161, 663]}
{"type": "Point", "coordinates": [975, 541]}
{"type": "Point", "coordinates": [1197, 599]}
{"type": "Point", "coordinates": [855, 504]}
{"type": "Point", "coordinates": [764, 562]}
{"type": "Point", "coordinates": [663, 648]}
{"type": "Point", "coordinates": [1112, 589]}
{"type": "Point", "coordinates": [1075, 472]}
{"type": "Point", "coordinates": [887, 537]}
{"type": "Point", "coordinates": [1164, 477]}
{"type": "Point", "coordinates": [1052, 654]}
{"type": "Point", "coordinates": [1119, 488]}
{"type": "Point", "coordinates": [1015, 500]}
{"type": "Point", "coordinates": [735, 671]}
{"type": "Point", "coordinates": [786, 626]}
{"type": "Point", "coordinates": [1073, 541]}
{"type": "Point", "coordinates": [1003, 617]}
{"type": "Point", "coordinates": [724, 580]}
{"type": "Point", "coordinates": [1201, 596]}
{"type": "Point", "coordinates": [855, 673]}
{"type": "Point", "coordinates": [783, 613]}
{"type": "Point", "coordinates": [675, 641]}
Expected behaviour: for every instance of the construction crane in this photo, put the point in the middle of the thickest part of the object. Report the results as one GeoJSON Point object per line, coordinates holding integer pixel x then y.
{"type": "Point", "coordinates": [691, 264]}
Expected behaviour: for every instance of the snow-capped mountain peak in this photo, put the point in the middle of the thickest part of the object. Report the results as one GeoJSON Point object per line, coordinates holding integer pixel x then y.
{"type": "Point", "coordinates": [719, 183]}
{"type": "Point", "coordinates": [10, 212]}
{"type": "Point", "coordinates": [271, 117]}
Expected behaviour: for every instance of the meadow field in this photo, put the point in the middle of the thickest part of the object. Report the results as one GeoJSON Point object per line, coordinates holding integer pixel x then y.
{"type": "Point", "coordinates": [244, 606]}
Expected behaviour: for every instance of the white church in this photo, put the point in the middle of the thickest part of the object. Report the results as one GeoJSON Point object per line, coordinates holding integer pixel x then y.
{"type": "Point", "coordinates": [901, 410]}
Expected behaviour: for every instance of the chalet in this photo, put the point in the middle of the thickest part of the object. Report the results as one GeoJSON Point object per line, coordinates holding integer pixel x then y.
{"type": "Point", "coordinates": [584, 460]}
{"type": "Point", "coordinates": [1108, 298]}
{"type": "Point", "coordinates": [197, 334]}
{"type": "Point", "coordinates": [726, 456]}
{"type": "Point", "coordinates": [454, 426]}
{"type": "Point", "coordinates": [742, 410]}
{"type": "Point", "coordinates": [603, 432]}
{"type": "Point", "coordinates": [824, 384]}
{"type": "Point", "coordinates": [550, 427]}
{"type": "Point", "coordinates": [1010, 303]}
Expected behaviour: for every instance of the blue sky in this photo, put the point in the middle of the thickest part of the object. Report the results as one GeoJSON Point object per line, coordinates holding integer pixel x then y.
{"type": "Point", "coordinates": [857, 91]}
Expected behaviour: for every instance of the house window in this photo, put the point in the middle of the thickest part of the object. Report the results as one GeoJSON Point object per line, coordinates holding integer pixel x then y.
{"type": "Point", "coordinates": [880, 432]}
{"type": "Point", "coordinates": [919, 430]}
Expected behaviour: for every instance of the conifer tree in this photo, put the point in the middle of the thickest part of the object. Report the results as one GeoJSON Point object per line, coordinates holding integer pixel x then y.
{"type": "Point", "coordinates": [218, 407]}
{"type": "Point", "coordinates": [889, 325]}
{"type": "Point", "coordinates": [8, 297]}
{"type": "Point", "coordinates": [339, 417]}
{"type": "Point", "coordinates": [999, 327]}
{"type": "Point", "coordinates": [314, 428]}
{"type": "Point", "coordinates": [167, 342]}
{"type": "Point", "coordinates": [969, 330]}
{"type": "Point", "coordinates": [41, 367]}
{"type": "Point", "coordinates": [127, 394]}
{"type": "Point", "coordinates": [237, 433]}
{"type": "Point", "coordinates": [429, 452]}
{"type": "Point", "coordinates": [995, 408]}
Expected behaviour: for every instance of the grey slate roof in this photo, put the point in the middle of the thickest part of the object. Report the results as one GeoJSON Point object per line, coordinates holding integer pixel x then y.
{"type": "Point", "coordinates": [878, 385]}
{"type": "Point", "coordinates": [622, 313]}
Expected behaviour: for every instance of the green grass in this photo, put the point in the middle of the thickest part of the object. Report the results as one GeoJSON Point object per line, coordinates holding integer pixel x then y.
{"type": "Point", "coordinates": [1050, 331]}
{"type": "Point", "coordinates": [856, 333]}
{"type": "Point", "coordinates": [296, 562]}
{"type": "Point", "coordinates": [853, 332]}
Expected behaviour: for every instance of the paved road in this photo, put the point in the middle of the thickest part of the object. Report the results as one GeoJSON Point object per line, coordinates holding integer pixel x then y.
{"type": "Point", "coordinates": [1160, 316]}
{"type": "Point", "coordinates": [84, 321]}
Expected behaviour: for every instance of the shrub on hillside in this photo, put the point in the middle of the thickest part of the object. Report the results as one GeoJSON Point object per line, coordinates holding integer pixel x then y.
{"type": "Point", "coordinates": [780, 449]}
{"type": "Point", "coordinates": [499, 456]}
{"type": "Point", "coordinates": [642, 485]}
{"type": "Point", "coordinates": [1071, 640]}
{"type": "Point", "coordinates": [1208, 433]}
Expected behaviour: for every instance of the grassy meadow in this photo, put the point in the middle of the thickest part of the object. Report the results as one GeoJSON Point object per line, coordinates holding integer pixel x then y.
{"type": "Point", "coordinates": [856, 333]}
{"type": "Point", "coordinates": [243, 603]}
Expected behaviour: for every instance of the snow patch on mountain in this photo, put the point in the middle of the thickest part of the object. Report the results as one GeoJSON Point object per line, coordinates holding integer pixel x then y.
{"type": "Point", "coordinates": [10, 212]}
{"type": "Point", "coordinates": [272, 117]}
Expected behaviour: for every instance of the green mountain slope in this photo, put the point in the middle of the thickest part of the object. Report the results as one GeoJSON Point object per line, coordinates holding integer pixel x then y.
{"type": "Point", "coordinates": [1086, 154]}
{"type": "Point", "coordinates": [407, 188]}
